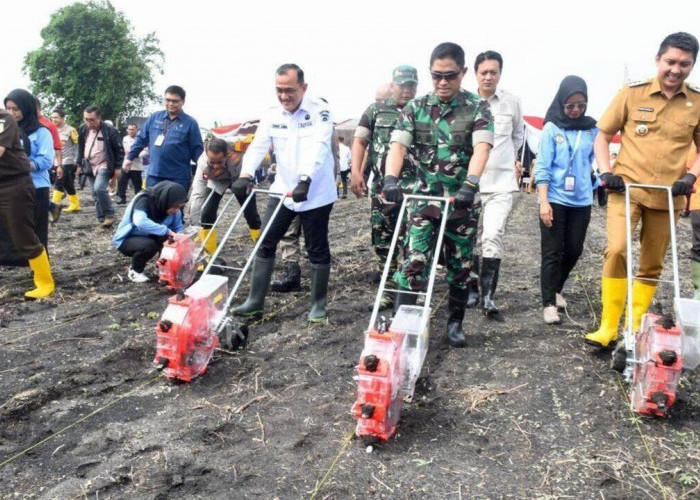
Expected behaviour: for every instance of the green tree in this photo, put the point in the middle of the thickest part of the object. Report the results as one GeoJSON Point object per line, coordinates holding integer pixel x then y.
{"type": "Point", "coordinates": [90, 55]}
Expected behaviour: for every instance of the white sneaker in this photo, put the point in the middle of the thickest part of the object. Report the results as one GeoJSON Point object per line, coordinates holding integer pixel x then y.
{"type": "Point", "coordinates": [561, 301]}
{"type": "Point", "coordinates": [137, 277]}
{"type": "Point", "coordinates": [551, 316]}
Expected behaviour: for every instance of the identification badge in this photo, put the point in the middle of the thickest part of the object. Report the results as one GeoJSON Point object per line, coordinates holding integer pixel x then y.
{"type": "Point", "coordinates": [159, 140]}
{"type": "Point", "coordinates": [569, 183]}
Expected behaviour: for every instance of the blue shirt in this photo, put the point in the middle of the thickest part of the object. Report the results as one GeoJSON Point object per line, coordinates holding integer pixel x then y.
{"type": "Point", "coordinates": [137, 223]}
{"type": "Point", "coordinates": [42, 157]}
{"type": "Point", "coordinates": [555, 163]}
{"type": "Point", "coordinates": [182, 145]}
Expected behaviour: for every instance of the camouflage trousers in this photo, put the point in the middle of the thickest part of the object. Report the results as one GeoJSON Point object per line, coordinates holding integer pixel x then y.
{"type": "Point", "coordinates": [458, 244]}
{"type": "Point", "coordinates": [383, 218]}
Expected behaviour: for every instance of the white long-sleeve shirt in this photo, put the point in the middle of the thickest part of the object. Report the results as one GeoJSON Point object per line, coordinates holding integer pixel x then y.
{"type": "Point", "coordinates": [302, 145]}
{"type": "Point", "coordinates": [509, 133]}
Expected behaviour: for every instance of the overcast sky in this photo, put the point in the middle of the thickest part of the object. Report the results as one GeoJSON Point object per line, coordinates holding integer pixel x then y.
{"type": "Point", "coordinates": [224, 53]}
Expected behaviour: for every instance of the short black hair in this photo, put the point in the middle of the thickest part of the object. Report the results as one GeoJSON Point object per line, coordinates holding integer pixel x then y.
{"type": "Point", "coordinates": [282, 70]}
{"type": "Point", "coordinates": [680, 40]}
{"type": "Point", "coordinates": [217, 146]}
{"type": "Point", "coordinates": [488, 55]}
{"type": "Point", "coordinates": [133, 125]}
{"type": "Point", "coordinates": [340, 138]}
{"type": "Point", "coordinates": [448, 50]}
{"type": "Point", "coordinates": [59, 112]}
{"type": "Point", "coordinates": [94, 109]}
{"type": "Point", "coordinates": [177, 90]}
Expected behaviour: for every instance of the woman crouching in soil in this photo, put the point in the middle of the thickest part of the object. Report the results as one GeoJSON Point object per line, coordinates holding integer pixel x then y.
{"type": "Point", "coordinates": [565, 186]}
{"type": "Point", "coordinates": [152, 216]}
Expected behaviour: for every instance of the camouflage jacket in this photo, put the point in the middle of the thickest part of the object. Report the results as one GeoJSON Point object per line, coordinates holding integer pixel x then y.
{"type": "Point", "coordinates": [441, 136]}
{"type": "Point", "coordinates": [376, 125]}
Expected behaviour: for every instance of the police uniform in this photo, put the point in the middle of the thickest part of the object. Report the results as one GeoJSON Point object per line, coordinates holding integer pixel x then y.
{"type": "Point", "coordinates": [656, 133]}
{"type": "Point", "coordinates": [302, 145]}
{"type": "Point", "coordinates": [441, 137]}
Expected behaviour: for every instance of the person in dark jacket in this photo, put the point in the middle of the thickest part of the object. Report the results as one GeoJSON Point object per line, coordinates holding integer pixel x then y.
{"type": "Point", "coordinates": [101, 145]}
{"type": "Point", "coordinates": [152, 216]}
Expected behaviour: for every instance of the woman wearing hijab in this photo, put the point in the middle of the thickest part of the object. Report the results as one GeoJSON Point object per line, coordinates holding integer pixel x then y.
{"type": "Point", "coordinates": [153, 215]}
{"type": "Point", "coordinates": [38, 144]}
{"type": "Point", "coordinates": [17, 200]}
{"type": "Point", "coordinates": [565, 188]}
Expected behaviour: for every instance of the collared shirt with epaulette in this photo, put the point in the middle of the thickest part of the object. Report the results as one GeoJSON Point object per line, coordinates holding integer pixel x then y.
{"type": "Point", "coordinates": [441, 137]}
{"type": "Point", "coordinates": [656, 133]}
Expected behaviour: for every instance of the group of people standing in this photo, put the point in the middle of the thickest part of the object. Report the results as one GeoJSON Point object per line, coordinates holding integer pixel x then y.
{"type": "Point", "coordinates": [449, 143]}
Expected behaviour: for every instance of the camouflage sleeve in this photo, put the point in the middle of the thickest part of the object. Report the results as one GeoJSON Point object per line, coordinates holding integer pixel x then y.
{"type": "Point", "coordinates": [403, 133]}
{"type": "Point", "coordinates": [483, 124]}
{"type": "Point", "coordinates": [365, 128]}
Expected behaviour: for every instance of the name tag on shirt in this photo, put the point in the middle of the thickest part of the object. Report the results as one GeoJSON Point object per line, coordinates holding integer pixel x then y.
{"type": "Point", "coordinates": [159, 140]}
{"type": "Point", "coordinates": [569, 183]}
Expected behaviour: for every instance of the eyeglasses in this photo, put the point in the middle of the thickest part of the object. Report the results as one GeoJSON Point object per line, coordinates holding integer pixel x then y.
{"type": "Point", "coordinates": [173, 101]}
{"type": "Point", "coordinates": [287, 90]}
{"type": "Point", "coordinates": [447, 75]}
{"type": "Point", "coordinates": [575, 105]}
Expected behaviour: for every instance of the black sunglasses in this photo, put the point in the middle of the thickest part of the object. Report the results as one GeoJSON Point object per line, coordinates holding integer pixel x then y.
{"type": "Point", "coordinates": [447, 75]}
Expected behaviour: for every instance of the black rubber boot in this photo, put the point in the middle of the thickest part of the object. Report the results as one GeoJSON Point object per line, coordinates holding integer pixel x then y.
{"type": "Point", "coordinates": [473, 285]}
{"type": "Point", "coordinates": [457, 300]}
{"type": "Point", "coordinates": [319, 292]}
{"type": "Point", "coordinates": [489, 281]}
{"type": "Point", "coordinates": [291, 281]}
{"type": "Point", "coordinates": [259, 282]}
{"type": "Point", "coordinates": [401, 299]}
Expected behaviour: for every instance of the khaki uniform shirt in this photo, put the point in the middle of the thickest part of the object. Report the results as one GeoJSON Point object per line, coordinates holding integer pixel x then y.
{"type": "Point", "coordinates": [656, 133]}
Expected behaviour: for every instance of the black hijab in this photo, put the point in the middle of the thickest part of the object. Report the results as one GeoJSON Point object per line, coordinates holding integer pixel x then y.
{"type": "Point", "coordinates": [569, 86]}
{"type": "Point", "coordinates": [30, 119]}
{"type": "Point", "coordinates": [158, 199]}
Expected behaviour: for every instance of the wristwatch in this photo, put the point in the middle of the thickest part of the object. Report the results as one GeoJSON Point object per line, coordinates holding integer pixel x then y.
{"type": "Point", "coordinates": [473, 179]}
{"type": "Point", "coordinates": [305, 178]}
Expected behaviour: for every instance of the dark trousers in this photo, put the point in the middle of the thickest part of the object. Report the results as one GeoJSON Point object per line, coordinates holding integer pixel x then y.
{"type": "Point", "coordinates": [17, 216]}
{"type": "Point", "coordinates": [209, 211]}
{"type": "Point", "coordinates": [695, 223]}
{"type": "Point", "coordinates": [136, 181]}
{"type": "Point", "coordinates": [344, 178]}
{"type": "Point", "coordinates": [41, 216]}
{"type": "Point", "coordinates": [562, 245]}
{"type": "Point", "coordinates": [141, 249]}
{"type": "Point", "coordinates": [66, 184]}
{"type": "Point", "coordinates": [314, 222]}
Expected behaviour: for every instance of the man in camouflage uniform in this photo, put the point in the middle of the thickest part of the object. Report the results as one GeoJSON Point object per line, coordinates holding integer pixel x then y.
{"type": "Point", "coordinates": [375, 127]}
{"type": "Point", "coordinates": [450, 133]}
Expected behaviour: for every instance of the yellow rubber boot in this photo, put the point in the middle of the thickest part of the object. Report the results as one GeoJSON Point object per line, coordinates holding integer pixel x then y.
{"type": "Point", "coordinates": [74, 203]}
{"type": "Point", "coordinates": [614, 293]}
{"type": "Point", "coordinates": [642, 295]}
{"type": "Point", "coordinates": [42, 277]}
{"type": "Point", "coordinates": [57, 196]}
{"type": "Point", "coordinates": [209, 245]}
{"type": "Point", "coordinates": [254, 234]}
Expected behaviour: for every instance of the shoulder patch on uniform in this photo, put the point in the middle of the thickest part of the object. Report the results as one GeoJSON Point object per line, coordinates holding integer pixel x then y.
{"type": "Point", "coordinates": [639, 83]}
{"type": "Point", "coordinates": [692, 86]}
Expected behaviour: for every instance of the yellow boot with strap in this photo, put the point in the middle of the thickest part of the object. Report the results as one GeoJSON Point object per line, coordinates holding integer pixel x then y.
{"type": "Point", "coordinates": [42, 277]}
{"type": "Point", "coordinates": [614, 293]}
{"type": "Point", "coordinates": [73, 203]}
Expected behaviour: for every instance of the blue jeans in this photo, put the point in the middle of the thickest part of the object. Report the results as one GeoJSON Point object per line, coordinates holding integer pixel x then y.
{"type": "Point", "coordinates": [103, 203]}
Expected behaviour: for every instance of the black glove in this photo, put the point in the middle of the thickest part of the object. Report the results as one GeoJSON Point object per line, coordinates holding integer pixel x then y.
{"type": "Point", "coordinates": [301, 192]}
{"type": "Point", "coordinates": [464, 198]}
{"type": "Point", "coordinates": [684, 185]}
{"type": "Point", "coordinates": [242, 186]}
{"type": "Point", "coordinates": [613, 182]}
{"type": "Point", "coordinates": [391, 190]}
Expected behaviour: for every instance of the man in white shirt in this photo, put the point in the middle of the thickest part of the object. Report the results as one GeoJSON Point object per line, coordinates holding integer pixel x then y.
{"type": "Point", "coordinates": [299, 130]}
{"type": "Point", "coordinates": [344, 154]}
{"type": "Point", "coordinates": [499, 179]}
{"type": "Point", "coordinates": [131, 172]}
